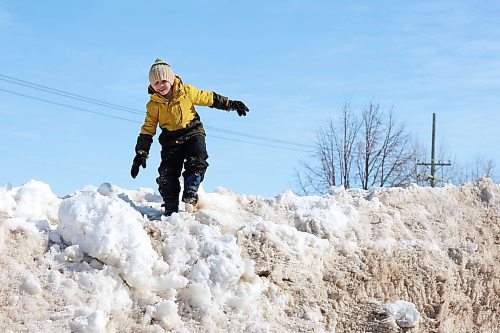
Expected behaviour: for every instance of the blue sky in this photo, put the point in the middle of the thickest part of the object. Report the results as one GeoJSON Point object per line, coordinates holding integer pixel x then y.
{"type": "Point", "coordinates": [294, 63]}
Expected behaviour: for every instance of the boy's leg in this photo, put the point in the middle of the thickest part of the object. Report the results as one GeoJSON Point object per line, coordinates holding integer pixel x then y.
{"type": "Point", "coordinates": [168, 182]}
{"type": "Point", "coordinates": [194, 168]}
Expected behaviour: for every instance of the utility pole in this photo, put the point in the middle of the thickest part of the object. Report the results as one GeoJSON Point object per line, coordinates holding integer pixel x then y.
{"type": "Point", "coordinates": [433, 163]}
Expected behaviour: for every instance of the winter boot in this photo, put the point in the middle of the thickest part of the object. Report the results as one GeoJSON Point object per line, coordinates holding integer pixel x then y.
{"type": "Point", "coordinates": [191, 185]}
{"type": "Point", "coordinates": [171, 206]}
{"type": "Point", "coordinates": [190, 197]}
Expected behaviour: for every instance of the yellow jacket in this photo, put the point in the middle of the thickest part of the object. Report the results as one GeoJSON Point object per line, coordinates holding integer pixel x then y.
{"type": "Point", "coordinates": [176, 113]}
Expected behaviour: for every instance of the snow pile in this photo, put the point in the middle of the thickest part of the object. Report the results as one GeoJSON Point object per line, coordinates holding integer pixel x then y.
{"type": "Point", "coordinates": [387, 260]}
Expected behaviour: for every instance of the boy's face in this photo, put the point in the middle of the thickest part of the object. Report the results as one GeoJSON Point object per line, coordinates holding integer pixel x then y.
{"type": "Point", "coordinates": [162, 87]}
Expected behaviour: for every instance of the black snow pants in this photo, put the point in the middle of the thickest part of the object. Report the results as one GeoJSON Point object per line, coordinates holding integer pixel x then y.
{"type": "Point", "coordinates": [191, 155]}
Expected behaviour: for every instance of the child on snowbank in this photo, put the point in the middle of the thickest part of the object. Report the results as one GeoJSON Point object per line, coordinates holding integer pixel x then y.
{"type": "Point", "coordinates": [182, 135]}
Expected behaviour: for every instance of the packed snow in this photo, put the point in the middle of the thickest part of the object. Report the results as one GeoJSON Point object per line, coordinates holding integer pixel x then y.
{"type": "Point", "coordinates": [103, 259]}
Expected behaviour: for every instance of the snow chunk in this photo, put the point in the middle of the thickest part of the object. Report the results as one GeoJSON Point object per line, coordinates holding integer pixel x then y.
{"type": "Point", "coordinates": [198, 294]}
{"type": "Point", "coordinates": [31, 284]}
{"type": "Point", "coordinates": [403, 313]}
{"type": "Point", "coordinates": [73, 253]}
{"type": "Point", "coordinates": [94, 323]}
{"type": "Point", "coordinates": [36, 201]}
{"type": "Point", "coordinates": [166, 312]}
{"type": "Point", "coordinates": [171, 280]}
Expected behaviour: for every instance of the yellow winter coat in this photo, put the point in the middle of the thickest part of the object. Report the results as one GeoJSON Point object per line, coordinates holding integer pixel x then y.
{"type": "Point", "coordinates": [176, 113]}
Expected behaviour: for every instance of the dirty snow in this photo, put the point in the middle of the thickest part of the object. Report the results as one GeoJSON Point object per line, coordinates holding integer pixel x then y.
{"type": "Point", "coordinates": [385, 260]}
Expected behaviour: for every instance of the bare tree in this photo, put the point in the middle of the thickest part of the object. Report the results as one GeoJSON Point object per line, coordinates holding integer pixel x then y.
{"type": "Point", "coordinates": [489, 169]}
{"type": "Point", "coordinates": [371, 136]}
{"type": "Point", "coordinates": [461, 173]}
{"type": "Point", "coordinates": [385, 157]}
{"type": "Point", "coordinates": [345, 142]}
{"type": "Point", "coordinates": [369, 151]}
{"type": "Point", "coordinates": [374, 150]}
{"type": "Point", "coordinates": [333, 156]}
{"type": "Point", "coordinates": [396, 160]}
{"type": "Point", "coordinates": [319, 176]}
{"type": "Point", "coordinates": [313, 179]}
{"type": "Point", "coordinates": [419, 153]}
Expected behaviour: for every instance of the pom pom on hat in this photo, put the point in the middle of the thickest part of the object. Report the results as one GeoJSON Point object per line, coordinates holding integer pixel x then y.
{"type": "Point", "coordinates": [159, 71]}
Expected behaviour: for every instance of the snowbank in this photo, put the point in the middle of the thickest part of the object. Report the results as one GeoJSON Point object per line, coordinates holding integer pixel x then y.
{"type": "Point", "coordinates": [387, 259]}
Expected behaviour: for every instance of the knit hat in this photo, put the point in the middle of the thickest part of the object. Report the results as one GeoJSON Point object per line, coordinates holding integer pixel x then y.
{"type": "Point", "coordinates": [159, 71]}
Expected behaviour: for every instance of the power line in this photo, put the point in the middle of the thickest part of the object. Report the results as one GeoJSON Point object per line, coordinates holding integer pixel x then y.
{"type": "Point", "coordinates": [259, 137]}
{"type": "Point", "coordinates": [66, 94]}
{"type": "Point", "coordinates": [259, 144]}
{"type": "Point", "coordinates": [69, 106]}
{"type": "Point", "coordinates": [138, 122]}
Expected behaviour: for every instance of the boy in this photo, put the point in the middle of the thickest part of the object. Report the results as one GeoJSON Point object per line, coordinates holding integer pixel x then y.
{"type": "Point", "coordinates": [182, 137]}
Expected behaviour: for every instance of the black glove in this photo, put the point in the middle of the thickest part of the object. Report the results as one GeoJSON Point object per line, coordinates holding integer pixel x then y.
{"type": "Point", "coordinates": [139, 159]}
{"type": "Point", "coordinates": [238, 106]}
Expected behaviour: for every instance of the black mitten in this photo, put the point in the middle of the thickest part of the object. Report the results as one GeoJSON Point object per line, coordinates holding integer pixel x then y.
{"type": "Point", "coordinates": [139, 159]}
{"type": "Point", "coordinates": [239, 107]}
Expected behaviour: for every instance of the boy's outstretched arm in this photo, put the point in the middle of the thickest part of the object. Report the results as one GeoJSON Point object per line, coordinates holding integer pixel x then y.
{"type": "Point", "coordinates": [223, 103]}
